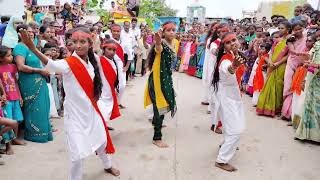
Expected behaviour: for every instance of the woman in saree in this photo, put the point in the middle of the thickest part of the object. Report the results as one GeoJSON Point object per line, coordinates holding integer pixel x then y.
{"type": "Point", "coordinates": [10, 38]}
{"type": "Point", "coordinates": [159, 91]}
{"type": "Point", "coordinates": [192, 67]}
{"type": "Point", "coordinates": [187, 54]}
{"type": "Point", "coordinates": [297, 87]}
{"type": "Point", "coordinates": [309, 126]}
{"type": "Point", "coordinates": [201, 53]}
{"type": "Point", "coordinates": [34, 91]}
{"type": "Point", "coordinates": [271, 98]}
{"type": "Point", "coordinates": [296, 45]}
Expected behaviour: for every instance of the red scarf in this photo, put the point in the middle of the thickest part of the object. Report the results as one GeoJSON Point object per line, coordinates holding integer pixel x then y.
{"type": "Point", "coordinates": [258, 80]}
{"type": "Point", "coordinates": [297, 79]}
{"type": "Point", "coordinates": [120, 52]}
{"type": "Point", "coordinates": [240, 70]}
{"type": "Point", "coordinates": [111, 77]}
{"type": "Point", "coordinates": [85, 81]}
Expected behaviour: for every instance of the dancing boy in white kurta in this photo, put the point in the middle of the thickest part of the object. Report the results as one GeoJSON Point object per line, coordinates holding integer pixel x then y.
{"type": "Point", "coordinates": [85, 126]}
{"type": "Point", "coordinates": [227, 75]}
{"type": "Point", "coordinates": [120, 59]}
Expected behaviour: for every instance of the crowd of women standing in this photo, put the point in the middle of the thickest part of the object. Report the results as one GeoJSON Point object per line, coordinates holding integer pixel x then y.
{"type": "Point", "coordinates": [281, 67]}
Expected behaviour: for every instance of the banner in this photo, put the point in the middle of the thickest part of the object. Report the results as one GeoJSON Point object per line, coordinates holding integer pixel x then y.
{"type": "Point", "coordinates": [45, 2]}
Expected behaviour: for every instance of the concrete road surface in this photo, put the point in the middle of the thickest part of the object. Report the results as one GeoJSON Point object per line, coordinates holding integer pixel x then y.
{"type": "Point", "coordinates": [268, 150]}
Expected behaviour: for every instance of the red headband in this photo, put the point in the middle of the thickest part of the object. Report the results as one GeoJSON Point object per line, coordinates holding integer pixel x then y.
{"type": "Point", "coordinates": [169, 26]}
{"type": "Point", "coordinates": [80, 34]}
{"type": "Point", "coordinates": [229, 37]}
{"type": "Point", "coordinates": [224, 29]}
{"type": "Point", "coordinates": [110, 45]}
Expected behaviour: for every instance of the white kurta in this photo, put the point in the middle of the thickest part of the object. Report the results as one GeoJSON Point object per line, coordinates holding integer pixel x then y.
{"type": "Point", "coordinates": [256, 94]}
{"type": "Point", "coordinates": [228, 97]}
{"type": "Point", "coordinates": [253, 72]}
{"type": "Point", "coordinates": [83, 126]}
{"type": "Point", "coordinates": [106, 96]}
{"type": "Point", "coordinates": [122, 75]}
{"type": "Point", "coordinates": [53, 108]}
{"type": "Point", "coordinates": [208, 69]}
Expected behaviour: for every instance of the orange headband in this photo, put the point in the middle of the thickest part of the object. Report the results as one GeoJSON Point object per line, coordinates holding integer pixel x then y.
{"type": "Point", "coordinates": [228, 38]}
{"type": "Point", "coordinates": [80, 34]}
{"type": "Point", "coordinates": [110, 45]}
{"type": "Point", "coordinates": [169, 26]}
{"type": "Point", "coordinates": [224, 29]}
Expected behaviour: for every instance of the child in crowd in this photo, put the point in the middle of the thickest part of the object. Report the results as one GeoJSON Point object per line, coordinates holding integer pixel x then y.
{"type": "Point", "coordinates": [259, 73]}
{"type": "Point", "coordinates": [11, 100]}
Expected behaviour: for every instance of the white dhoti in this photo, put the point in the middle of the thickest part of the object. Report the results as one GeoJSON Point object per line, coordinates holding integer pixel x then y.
{"type": "Point", "coordinates": [122, 86]}
{"type": "Point", "coordinates": [76, 172]}
{"type": "Point", "coordinates": [53, 108]}
{"type": "Point", "coordinates": [122, 79]}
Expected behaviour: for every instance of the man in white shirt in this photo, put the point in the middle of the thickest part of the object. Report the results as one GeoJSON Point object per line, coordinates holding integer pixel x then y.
{"type": "Point", "coordinates": [127, 42]}
{"type": "Point", "coordinates": [119, 57]}
{"type": "Point", "coordinates": [137, 34]}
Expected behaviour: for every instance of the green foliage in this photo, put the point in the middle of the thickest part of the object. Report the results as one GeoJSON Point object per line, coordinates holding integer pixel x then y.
{"type": "Point", "coordinates": [151, 9]}
{"type": "Point", "coordinates": [105, 16]}
{"type": "Point", "coordinates": [156, 8]}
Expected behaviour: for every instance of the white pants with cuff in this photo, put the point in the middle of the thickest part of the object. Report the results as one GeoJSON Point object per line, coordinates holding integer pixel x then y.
{"type": "Point", "coordinates": [228, 148]}
{"type": "Point", "coordinates": [76, 172]}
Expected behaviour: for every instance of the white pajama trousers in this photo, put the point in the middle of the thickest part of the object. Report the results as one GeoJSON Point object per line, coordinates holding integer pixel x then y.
{"type": "Point", "coordinates": [228, 148]}
{"type": "Point", "coordinates": [76, 172]}
{"type": "Point", "coordinates": [122, 87]}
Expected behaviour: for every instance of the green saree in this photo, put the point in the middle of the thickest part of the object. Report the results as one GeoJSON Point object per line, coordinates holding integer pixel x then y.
{"type": "Point", "coordinates": [35, 94]}
{"type": "Point", "coordinates": [271, 98]}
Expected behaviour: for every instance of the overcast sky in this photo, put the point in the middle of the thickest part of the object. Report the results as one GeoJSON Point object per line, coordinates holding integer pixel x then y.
{"type": "Point", "coordinates": [222, 8]}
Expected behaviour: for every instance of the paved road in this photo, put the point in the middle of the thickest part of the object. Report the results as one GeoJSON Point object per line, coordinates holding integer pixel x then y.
{"type": "Point", "coordinates": [267, 149]}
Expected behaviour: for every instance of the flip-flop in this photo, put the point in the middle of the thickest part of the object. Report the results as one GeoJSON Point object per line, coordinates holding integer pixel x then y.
{"type": "Point", "coordinates": [2, 163]}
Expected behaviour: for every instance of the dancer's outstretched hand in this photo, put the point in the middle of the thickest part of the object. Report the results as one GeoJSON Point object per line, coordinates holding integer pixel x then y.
{"type": "Point", "coordinates": [158, 37]}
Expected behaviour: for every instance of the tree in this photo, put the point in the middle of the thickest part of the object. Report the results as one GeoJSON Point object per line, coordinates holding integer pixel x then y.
{"type": "Point", "coordinates": [156, 8]}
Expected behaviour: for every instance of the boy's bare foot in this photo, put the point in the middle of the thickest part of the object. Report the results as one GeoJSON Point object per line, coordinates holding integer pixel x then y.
{"type": "Point", "coordinates": [226, 167]}
{"type": "Point", "coordinates": [112, 171]}
{"type": "Point", "coordinates": [160, 144]}
{"type": "Point", "coordinates": [9, 150]}
{"type": "Point", "coordinates": [18, 142]}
